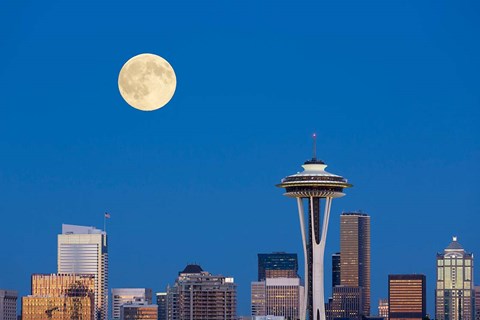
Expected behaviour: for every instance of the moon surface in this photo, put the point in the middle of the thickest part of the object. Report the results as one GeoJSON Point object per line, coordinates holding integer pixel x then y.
{"type": "Point", "coordinates": [147, 82]}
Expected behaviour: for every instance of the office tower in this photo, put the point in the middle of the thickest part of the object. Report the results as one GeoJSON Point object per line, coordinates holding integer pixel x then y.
{"type": "Point", "coordinates": [383, 308]}
{"type": "Point", "coordinates": [454, 294]}
{"type": "Point", "coordinates": [314, 185]}
{"type": "Point", "coordinates": [59, 297]}
{"type": "Point", "coordinates": [258, 298]}
{"type": "Point", "coordinates": [136, 311]}
{"type": "Point", "coordinates": [277, 297]}
{"type": "Point", "coordinates": [277, 265]}
{"type": "Point", "coordinates": [346, 303]}
{"type": "Point", "coordinates": [407, 297]}
{"type": "Point", "coordinates": [8, 304]}
{"type": "Point", "coordinates": [199, 295]}
{"type": "Point", "coordinates": [122, 296]}
{"type": "Point", "coordinates": [84, 250]}
{"type": "Point", "coordinates": [355, 254]}
{"type": "Point", "coordinates": [268, 318]}
{"type": "Point", "coordinates": [336, 269]}
{"type": "Point", "coordinates": [162, 305]}
{"type": "Point", "coordinates": [477, 302]}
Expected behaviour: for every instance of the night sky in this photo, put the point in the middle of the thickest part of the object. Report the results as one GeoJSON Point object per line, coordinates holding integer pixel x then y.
{"type": "Point", "coordinates": [390, 87]}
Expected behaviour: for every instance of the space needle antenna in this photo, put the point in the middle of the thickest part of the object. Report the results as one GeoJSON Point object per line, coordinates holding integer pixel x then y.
{"type": "Point", "coordinates": [314, 136]}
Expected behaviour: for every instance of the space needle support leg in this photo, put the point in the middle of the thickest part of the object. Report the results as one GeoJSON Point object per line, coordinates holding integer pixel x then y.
{"type": "Point", "coordinates": [301, 215]}
{"type": "Point", "coordinates": [323, 240]}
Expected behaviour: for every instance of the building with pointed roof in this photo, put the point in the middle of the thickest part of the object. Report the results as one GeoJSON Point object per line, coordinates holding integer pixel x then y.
{"type": "Point", "coordinates": [454, 294]}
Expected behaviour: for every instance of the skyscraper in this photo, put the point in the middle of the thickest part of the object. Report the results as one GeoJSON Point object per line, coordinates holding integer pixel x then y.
{"type": "Point", "coordinates": [8, 304]}
{"type": "Point", "coordinates": [121, 296]}
{"type": "Point", "coordinates": [314, 185]}
{"type": "Point", "coordinates": [59, 297]}
{"type": "Point", "coordinates": [346, 303]}
{"type": "Point", "coordinates": [84, 250]}
{"type": "Point", "coordinates": [407, 297]}
{"type": "Point", "coordinates": [355, 254]}
{"type": "Point", "coordinates": [162, 305]}
{"type": "Point", "coordinates": [277, 265]}
{"type": "Point", "coordinates": [383, 308]}
{"type": "Point", "coordinates": [454, 294]}
{"type": "Point", "coordinates": [336, 274]}
{"type": "Point", "coordinates": [199, 295]}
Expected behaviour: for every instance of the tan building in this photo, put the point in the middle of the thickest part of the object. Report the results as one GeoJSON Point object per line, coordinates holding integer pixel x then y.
{"type": "Point", "coordinates": [406, 297]}
{"type": "Point", "coordinates": [138, 312]}
{"type": "Point", "coordinates": [60, 297]}
{"type": "Point", "coordinates": [258, 298]}
{"type": "Point", "coordinates": [199, 295]}
{"type": "Point", "coordinates": [355, 254]}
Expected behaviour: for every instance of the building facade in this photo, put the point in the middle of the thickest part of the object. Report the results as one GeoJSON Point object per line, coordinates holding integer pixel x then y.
{"type": "Point", "coordinates": [84, 250]}
{"type": "Point", "coordinates": [355, 254]}
{"type": "Point", "coordinates": [135, 311]}
{"type": "Point", "coordinates": [346, 303]}
{"type": "Point", "coordinates": [383, 308]}
{"type": "Point", "coordinates": [407, 297]}
{"type": "Point", "coordinates": [60, 297]}
{"type": "Point", "coordinates": [121, 296]}
{"type": "Point", "coordinates": [199, 295]}
{"type": "Point", "coordinates": [277, 265]}
{"type": "Point", "coordinates": [162, 305]}
{"type": "Point", "coordinates": [336, 264]}
{"type": "Point", "coordinates": [8, 304]}
{"type": "Point", "coordinates": [277, 297]}
{"type": "Point", "coordinates": [454, 294]}
{"type": "Point", "coordinates": [477, 302]}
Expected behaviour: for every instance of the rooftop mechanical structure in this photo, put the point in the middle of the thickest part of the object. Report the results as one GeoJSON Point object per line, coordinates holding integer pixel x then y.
{"type": "Point", "coordinates": [314, 186]}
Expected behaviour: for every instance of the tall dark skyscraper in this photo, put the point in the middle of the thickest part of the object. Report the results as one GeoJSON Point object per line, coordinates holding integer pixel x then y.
{"type": "Point", "coordinates": [407, 297]}
{"type": "Point", "coordinates": [278, 265]}
{"type": "Point", "coordinates": [454, 295]}
{"type": "Point", "coordinates": [316, 188]}
{"type": "Point", "coordinates": [336, 263]}
{"type": "Point", "coordinates": [162, 305]}
{"type": "Point", "coordinates": [355, 254]}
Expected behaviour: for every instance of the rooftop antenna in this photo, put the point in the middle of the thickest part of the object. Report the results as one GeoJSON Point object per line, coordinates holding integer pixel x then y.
{"type": "Point", "coordinates": [314, 136]}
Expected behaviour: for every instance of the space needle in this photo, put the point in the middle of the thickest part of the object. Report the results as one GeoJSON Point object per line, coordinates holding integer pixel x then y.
{"type": "Point", "coordinates": [314, 185]}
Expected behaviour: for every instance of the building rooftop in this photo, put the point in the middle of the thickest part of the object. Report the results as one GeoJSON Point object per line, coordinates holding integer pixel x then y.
{"type": "Point", "coordinates": [454, 245]}
{"type": "Point", "coordinates": [192, 268]}
{"type": "Point", "coordinates": [74, 229]}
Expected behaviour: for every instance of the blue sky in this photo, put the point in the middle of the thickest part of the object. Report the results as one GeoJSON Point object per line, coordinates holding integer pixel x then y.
{"type": "Point", "coordinates": [390, 87]}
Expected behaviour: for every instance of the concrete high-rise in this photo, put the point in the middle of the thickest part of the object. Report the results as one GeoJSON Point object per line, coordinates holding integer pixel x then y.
{"type": "Point", "coordinates": [121, 296]}
{"type": "Point", "coordinates": [355, 254]}
{"type": "Point", "coordinates": [454, 294]}
{"type": "Point", "coordinates": [315, 186]}
{"type": "Point", "coordinates": [277, 265]}
{"type": "Point", "coordinates": [84, 250]}
{"type": "Point", "coordinates": [199, 295]}
{"type": "Point", "coordinates": [162, 305]}
{"type": "Point", "coordinates": [8, 304]}
{"type": "Point", "coordinates": [59, 297]}
{"type": "Point", "coordinates": [407, 297]}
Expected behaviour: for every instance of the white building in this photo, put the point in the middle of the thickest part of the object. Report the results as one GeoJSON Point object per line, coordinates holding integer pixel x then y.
{"type": "Point", "coordinates": [84, 250]}
{"type": "Point", "coordinates": [121, 296]}
{"type": "Point", "coordinates": [8, 304]}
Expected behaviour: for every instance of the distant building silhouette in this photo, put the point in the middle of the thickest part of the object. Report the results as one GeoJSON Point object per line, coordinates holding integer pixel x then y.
{"type": "Point", "coordinates": [8, 304]}
{"type": "Point", "coordinates": [336, 274]}
{"type": "Point", "coordinates": [454, 294]}
{"type": "Point", "coordinates": [407, 297]}
{"type": "Point", "coordinates": [277, 265]}
{"type": "Point", "coordinates": [383, 308]}
{"type": "Point", "coordinates": [199, 295]}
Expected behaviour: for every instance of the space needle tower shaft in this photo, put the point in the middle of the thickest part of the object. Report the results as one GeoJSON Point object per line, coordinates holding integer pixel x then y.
{"type": "Point", "coordinates": [316, 188]}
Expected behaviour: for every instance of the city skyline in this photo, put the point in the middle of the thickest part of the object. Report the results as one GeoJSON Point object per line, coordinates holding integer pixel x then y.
{"type": "Point", "coordinates": [390, 88]}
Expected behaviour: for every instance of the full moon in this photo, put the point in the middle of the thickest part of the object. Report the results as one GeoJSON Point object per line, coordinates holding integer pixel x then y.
{"type": "Point", "coordinates": [147, 82]}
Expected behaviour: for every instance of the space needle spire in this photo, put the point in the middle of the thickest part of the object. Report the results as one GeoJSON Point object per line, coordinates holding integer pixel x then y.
{"type": "Point", "coordinates": [316, 188]}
